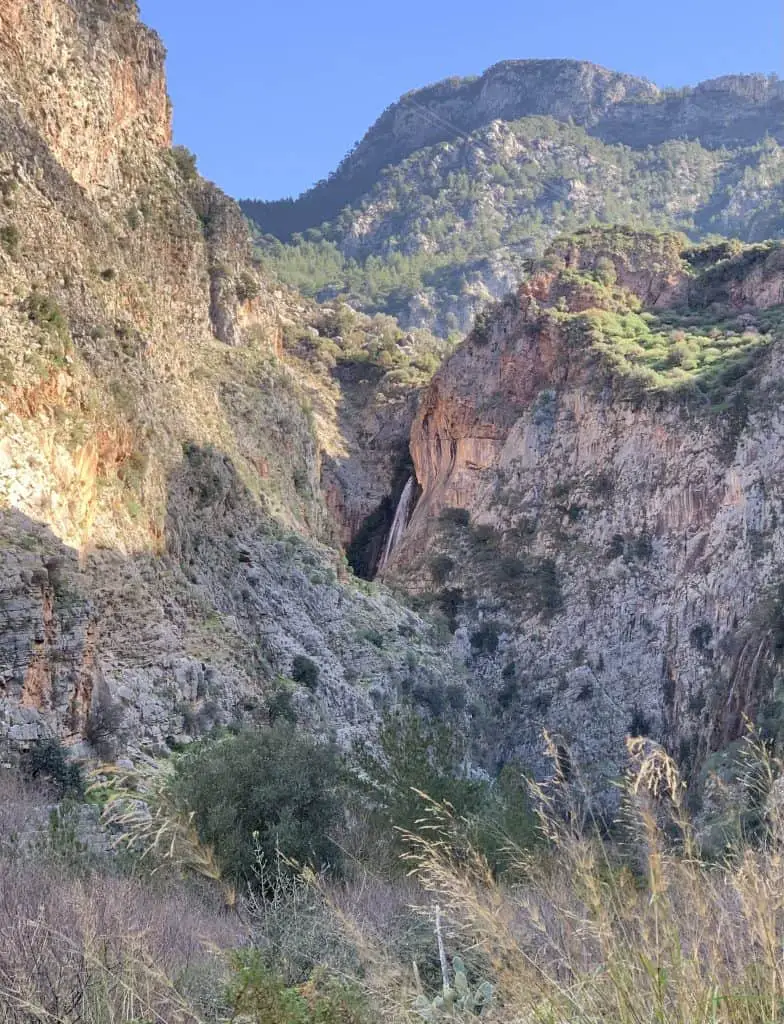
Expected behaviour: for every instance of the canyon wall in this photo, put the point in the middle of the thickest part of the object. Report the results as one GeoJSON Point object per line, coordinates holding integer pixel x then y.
{"type": "Point", "coordinates": [168, 562]}
{"type": "Point", "coordinates": [606, 537]}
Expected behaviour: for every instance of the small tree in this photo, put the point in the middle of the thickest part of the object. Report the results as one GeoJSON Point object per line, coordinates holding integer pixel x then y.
{"type": "Point", "coordinates": [262, 791]}
{"type": "Point", "coordinates": [48, 762]}
{"type": "Point", "coordinates": [304, 670]}
{"type": "Point", "coordinates": [185, 162]}
{"type": "Point", "coordinates": [415, 756]}
{"type": "Point", "coordinates": [419, 764]}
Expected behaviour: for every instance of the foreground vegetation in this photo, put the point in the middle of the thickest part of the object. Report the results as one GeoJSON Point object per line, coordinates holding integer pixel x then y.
{"type": "Point", "coordinates": [574, 924]}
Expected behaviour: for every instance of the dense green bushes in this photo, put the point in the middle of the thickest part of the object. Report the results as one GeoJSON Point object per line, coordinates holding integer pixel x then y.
{"type": "Point", "coordinates": [305, 671]}
{"type": "Point", "coordinates": [48, 762]}
{"type": "Point", "coordinates": [455, 516]}
{"type": "Point", "coordinates": [261, 996]}
{"type": "Point", "coordinates": [44, 311]}
{"type": "Point", "coordinates": [260, 792]}
{"type": "Point", "coordinates": [275, 796]}
{"type": "Point", "coordinates": [657, 354]}
{"type": "Point", "coordinates": [9, 238]}
{"type": "Point", "coordinates": [420, 763]}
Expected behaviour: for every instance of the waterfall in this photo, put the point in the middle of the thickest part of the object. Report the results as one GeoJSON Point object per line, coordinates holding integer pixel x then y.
{"type": "Point", "coordinates": [399, 523]}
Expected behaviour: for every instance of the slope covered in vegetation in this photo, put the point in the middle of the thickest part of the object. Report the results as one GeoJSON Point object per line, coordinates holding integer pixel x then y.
{"type": "Point", "coordinates": [435, 233]}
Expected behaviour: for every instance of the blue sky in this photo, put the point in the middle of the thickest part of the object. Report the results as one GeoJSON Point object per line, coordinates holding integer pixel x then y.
{"type": "Point", "coordinates": [270, 96]}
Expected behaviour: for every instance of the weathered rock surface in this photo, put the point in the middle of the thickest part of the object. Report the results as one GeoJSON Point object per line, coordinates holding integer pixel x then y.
{"type": "Point", "coordinates": [163, 530]}
{"type": "Point", "coordinates": [621, 568]}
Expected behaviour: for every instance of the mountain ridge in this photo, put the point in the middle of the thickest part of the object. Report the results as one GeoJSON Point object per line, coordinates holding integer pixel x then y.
{"type": "Point", "coordinates": [434, 212]}
{"type": "Point", "coordinates": [587, 93]}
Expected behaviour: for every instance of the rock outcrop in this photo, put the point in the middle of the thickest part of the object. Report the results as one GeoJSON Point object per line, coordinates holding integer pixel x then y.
{"type": "Point", "coordinates": [89, 78]}
{"type": "Point", "coordinates": [166, 549]}
{"type": "Point", "coordinates": [601, 498]}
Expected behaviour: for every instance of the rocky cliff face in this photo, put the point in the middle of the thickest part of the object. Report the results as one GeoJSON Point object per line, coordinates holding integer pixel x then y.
{"type": "Point", "coordinates": [601, 472]}
{"type": "Point", "coordinates": [187, 449]}
{"type": "Point", "coordinates": [167, 551]}
{"type": "Point", "coordinates": [89, 78]}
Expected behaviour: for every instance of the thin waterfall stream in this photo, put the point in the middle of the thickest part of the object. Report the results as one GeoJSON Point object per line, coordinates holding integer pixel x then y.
{"type": "Point", "coordinates": [399, 523]}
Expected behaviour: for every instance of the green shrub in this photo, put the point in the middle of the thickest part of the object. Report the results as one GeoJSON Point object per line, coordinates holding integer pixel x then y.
{"type": "Point", "coordinates": [483, 325]}
{"type": "Point", "coordinates": [430, 695]}
{"type": "Point", "coordinates": [639, 724]}
{"type": "Point", "coordinates": [48, 762]}
{"type": "Point", "coordinates": [133, 218]}
{"type": "Point", "coordinates": [185, 162]}
{"type": "Point", "coordinates": [104, 725]}
{"type": "Point", "coordinates": [280, 704]}
{"type": "Point", "coordinates": [259, 995]}
{"type": "Point", "coordinates": [373, 637]}
{"type": "Point", "coordinates": [456, 516]}
{"type": "Point", "coordinates": [643, 548]}
{"type": "Point", "coordinates": [441, 567]}
{"type": "Point", "coordinates": [616, 547]}
{"type": "Point", "coordinates": [509, 693]}
{"type": "Point", "coordinates": [9, 238]}
{"type": "Point", "coordinates": [701, 636]}
{"type": "Point", "coordinates": [484, 640]}
{"type": "Point", "coordinates": [262, 996]}
{"type": "Point", "coordinates": [262, 791]}
{"type": "Point", "coordinates": [414, 756]}
{"type": "Point", "coordinates": [304, 670]}
{"type": "Point", "coordinates": [545, 585]}
{"type": "Point", "coordinates": [485, 535]}
{"type": "Point", "coordinates": [451, 602]}
{"type": "Point", "coordinates": [44, 311]}
{"type": "Point", "coordinates": [456, 696]}
{"type": "Point", "coordinates": [511, 568]}
{"type": "Point", "coordinates": [247, 287]}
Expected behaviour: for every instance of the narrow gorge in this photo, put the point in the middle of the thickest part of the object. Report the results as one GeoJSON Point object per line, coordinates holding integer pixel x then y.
{"type": "Point", "coordinates": [568, 520]}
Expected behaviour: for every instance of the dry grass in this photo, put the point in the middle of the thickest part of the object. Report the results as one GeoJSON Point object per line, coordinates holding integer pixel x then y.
{"type": "Point", "coordinates": [141, 806]}
{"type": "Point", "coordinates": [92, 947]}
{"type": "Point", "coordinates": [638, 933]}
{"type": "Point", "coordinates": [636, 930]}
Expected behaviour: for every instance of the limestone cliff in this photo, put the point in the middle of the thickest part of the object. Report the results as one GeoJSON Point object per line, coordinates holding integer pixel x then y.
{"type": "Point", "coordinates": [601, 465]}
{"type": "Point", "coordinates": [166, 550]}
{"type": "Point", "coordinates": [188, 449]}
{"type": "Point", "coordinates": [89, 77]}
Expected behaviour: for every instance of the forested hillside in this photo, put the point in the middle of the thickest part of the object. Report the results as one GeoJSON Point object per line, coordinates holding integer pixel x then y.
{"type": "Point", "coordinates": [434, 233]}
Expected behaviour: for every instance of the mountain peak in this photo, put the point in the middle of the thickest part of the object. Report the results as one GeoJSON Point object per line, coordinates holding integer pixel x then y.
{"type": "Point", "coordinates": [617, 108]}
{"type": "Point", "coordinates": [508, 90]}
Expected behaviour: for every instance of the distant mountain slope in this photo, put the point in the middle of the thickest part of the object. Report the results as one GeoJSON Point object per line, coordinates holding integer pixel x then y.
{"type": "Point", "coordinates": [446, 111]}
{"type": "Point", "coordinates": [455, 185]}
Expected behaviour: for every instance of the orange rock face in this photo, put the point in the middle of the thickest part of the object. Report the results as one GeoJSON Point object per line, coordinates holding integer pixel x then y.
{"type": "Point", "coordinates": [91, 79]}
